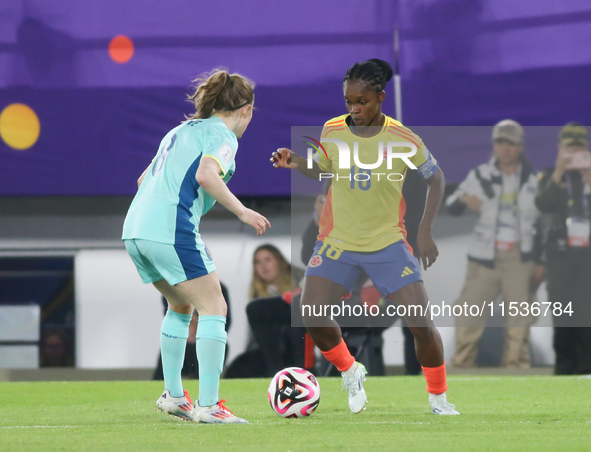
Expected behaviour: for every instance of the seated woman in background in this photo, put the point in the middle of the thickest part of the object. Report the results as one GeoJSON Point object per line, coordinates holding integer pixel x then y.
{"type": "Point", "coordinates": [271, 273]}
{"type": "Point", "coordinates": [269, 315]}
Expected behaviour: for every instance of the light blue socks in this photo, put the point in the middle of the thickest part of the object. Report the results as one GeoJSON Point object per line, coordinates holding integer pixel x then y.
{"type": "Point", "coordinates": [173, 342]}
{"type": "Point", "coordinates": [211, 348]}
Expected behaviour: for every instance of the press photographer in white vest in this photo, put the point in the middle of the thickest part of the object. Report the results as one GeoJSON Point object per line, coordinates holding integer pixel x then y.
{"type": "Point", "coordinates": [501, 253]}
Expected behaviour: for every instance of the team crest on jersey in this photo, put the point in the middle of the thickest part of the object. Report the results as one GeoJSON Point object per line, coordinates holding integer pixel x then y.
{"type": "Point", "coordinates": [316, 261]}
{"type": "Point", "coordinates": [225, 153]}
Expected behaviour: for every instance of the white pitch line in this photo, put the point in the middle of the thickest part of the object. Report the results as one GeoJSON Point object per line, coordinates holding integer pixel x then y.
{"type": "Point", "coordinates": [42, 426]}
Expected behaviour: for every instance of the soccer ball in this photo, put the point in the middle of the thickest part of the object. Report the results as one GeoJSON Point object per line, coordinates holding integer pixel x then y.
{"type": "Point", "coordinates": [294, 392]}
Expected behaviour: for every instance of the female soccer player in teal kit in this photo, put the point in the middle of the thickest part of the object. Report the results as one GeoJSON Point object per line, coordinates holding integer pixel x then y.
{"type": "Point", "coordinates": [194, 162]}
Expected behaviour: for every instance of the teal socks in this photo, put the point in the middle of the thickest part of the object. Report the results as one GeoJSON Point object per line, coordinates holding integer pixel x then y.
{"type": "Point", "coordinates": [173, 342]}
{"type": "Point", "coordinates": [211, 348]}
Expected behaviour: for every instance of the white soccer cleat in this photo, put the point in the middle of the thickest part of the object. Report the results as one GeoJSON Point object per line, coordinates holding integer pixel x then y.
{"type": "Point", "coordinates": [354, 384]}
{"type": "Point", "coordinates": [216, 414]}
{"type": "Point", "coordinates": [440, 405]}
{"type": "Point", "coordinates": [176, 406]}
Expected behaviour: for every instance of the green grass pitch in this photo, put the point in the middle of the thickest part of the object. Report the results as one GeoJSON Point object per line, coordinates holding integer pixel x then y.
{"type": "Point", "coordinates": [497, 413]}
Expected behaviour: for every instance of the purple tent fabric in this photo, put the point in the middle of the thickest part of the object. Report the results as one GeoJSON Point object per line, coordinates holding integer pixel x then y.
{"type": "Point", "coordinates": [463, 62]}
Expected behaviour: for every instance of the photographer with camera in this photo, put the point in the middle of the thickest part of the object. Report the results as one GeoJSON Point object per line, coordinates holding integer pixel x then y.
{"type": "Point", "coordinates": [565, 194]}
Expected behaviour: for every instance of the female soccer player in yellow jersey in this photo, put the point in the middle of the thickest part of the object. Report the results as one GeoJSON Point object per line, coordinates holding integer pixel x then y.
{"type": "Point", "coordinates": [362, 227]}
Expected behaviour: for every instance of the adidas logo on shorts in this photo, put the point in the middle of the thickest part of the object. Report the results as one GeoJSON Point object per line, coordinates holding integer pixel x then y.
{"type": "Point", "coordinates": [407, 271]}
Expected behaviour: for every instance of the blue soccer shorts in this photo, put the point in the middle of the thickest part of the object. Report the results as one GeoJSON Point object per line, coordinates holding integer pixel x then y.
{"type": "Point", "coordinates": [155, 261]}
{"type": "Point", "coordinates": [390, 269]}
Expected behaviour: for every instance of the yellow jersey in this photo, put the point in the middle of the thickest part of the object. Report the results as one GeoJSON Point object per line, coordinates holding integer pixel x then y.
{"type": "Point", "coordinates": [364, 209]}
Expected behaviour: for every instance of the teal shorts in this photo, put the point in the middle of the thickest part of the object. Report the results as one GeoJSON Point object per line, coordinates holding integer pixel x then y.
{"type": "Point", "coordinates": [174, 263]}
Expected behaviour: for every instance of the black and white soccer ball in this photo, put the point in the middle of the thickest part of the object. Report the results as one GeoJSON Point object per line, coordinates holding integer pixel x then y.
{"type": "Point", "coordinates": [294, 392]}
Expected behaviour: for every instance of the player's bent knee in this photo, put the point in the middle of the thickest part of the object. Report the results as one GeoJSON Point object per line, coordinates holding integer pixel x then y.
{"type": "Point", "coordinates": [185, 309]}
{"type": "Point", "coordinates": [213, 306]}
{"type": "Point", "coordinates": [424, 334]}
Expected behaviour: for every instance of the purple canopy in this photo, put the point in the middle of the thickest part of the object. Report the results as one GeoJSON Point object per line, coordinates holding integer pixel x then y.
{"type": "Point", "coordinates": [102, 114]}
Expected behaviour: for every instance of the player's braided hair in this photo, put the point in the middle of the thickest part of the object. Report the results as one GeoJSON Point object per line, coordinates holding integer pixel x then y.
{"type": "Point", "coordinates": [375, 72]}
{"type": "Point", "coordinates": [220, 91]}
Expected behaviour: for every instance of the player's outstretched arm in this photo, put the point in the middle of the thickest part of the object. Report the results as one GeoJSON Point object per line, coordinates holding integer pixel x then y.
{"type": "Point", "coordinates": [208, 176]}
{"type": "Point", "coordinates": [285, 158]}
{"type": "Point", "coordinates": [427, 247]}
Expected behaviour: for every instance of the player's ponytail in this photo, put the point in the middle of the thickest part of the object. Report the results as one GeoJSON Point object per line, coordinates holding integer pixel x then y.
{"type": "Point", "coordinates": [219, 92]}
{"type": "Point", "coordinates": [375, 72]}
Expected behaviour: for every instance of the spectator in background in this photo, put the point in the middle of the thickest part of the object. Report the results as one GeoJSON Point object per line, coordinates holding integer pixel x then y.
{"type": "Point", "coordinates": [56, 349]}
{"type": "Point", "coordinates": [269, 314]}
{"type": "Point", "coordinates": [501, 253]}
{"type": "Point", "coordinates": [565, 195]}
{"type": "Point", "coordinates": [271, 273]}
{"type": "Point", "coordinates": [270, 318]}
